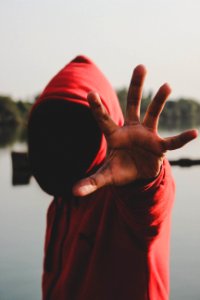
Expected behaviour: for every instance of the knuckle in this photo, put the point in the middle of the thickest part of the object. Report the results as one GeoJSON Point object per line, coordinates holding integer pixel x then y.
{"type": "Point", "coordinates": [136, 80]}
{"type": "Point", "coordinates": [175, 142]}
{"type": "Point", "coordinates": [96, 105]}
{"type": "Point", "coordinates": [152, 113]}
{"type": "Point", "coordinates": [93, 180]}
{"type": "Point", "coordinates": [163, 146]}
{"type": "Point", "coordinates": [105, 116]}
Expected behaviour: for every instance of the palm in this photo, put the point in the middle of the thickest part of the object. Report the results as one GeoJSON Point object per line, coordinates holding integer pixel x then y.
{"type": "Point", "coordinates": [135, 150]}
{"type": "Point", "coordinates": [138, 158]}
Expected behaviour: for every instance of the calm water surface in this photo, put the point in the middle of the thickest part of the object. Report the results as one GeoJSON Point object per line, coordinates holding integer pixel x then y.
{"type": "Point", "coordinates": [22, 227]}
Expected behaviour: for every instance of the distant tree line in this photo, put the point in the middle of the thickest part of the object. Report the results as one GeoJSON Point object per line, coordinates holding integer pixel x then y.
{"type": "Point", "coordinates": [177, 113]}
{"type": "Point", "coordinates": [180, 113]}
{"type": "Point", "coordinates": [13, 120]}
{"type": "Point", "coordinates": [12, 112]}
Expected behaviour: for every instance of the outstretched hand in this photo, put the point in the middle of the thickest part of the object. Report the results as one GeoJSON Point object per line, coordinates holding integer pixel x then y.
{"type": "Point", "coordinates": [136, 151]}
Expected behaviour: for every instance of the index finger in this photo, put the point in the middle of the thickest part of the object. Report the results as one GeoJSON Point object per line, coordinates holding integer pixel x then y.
{"type": "Point", "coordinates": [106, 124]}
{"type": "Point", "coordinates": [135, 94]}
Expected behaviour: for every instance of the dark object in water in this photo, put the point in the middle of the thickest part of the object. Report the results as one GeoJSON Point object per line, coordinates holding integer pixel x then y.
{"type": "Point", "coordinates": [185, 162]}
{"type": "Point", "coordinates": [21, 169]}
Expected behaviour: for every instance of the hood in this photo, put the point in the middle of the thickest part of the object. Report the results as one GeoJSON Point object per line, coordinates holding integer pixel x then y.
{"type": "Point", "coordinates": [62, 112]}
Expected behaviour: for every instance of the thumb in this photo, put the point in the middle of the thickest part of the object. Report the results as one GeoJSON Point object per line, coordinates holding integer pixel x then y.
{"type": "Point", "coordinates": [92, 183]}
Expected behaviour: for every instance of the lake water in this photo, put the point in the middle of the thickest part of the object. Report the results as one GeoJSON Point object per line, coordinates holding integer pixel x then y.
{"type": "Point", "coordinates": [22, 227]}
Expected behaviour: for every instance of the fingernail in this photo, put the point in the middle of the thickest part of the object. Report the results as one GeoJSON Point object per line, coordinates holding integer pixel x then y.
{"type": "Point", "coordinates": [94, 98]}
{"type": "Point", "coordinates": [87, 189]}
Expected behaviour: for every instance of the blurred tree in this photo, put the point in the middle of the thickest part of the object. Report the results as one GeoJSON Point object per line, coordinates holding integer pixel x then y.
{"type": "Point", "coordinates": [24, 109]}
{"type": "Point", "coordinates": [177, 114]}
{"type": "Point", "coordinates": [122, 96]}
{"type": "Point", "coordinates": [9, 113]}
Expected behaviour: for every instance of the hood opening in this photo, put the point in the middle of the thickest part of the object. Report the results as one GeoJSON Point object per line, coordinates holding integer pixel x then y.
{"type": "Point", "coordinates": [64, 139]}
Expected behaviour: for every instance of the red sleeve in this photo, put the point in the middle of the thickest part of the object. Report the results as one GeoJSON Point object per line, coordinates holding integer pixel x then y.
{"type": "Point", "coordinates": [145, 206]}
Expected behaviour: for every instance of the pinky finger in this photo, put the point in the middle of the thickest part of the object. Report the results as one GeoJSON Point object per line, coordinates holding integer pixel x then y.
{"type": "Point", "coordinates": [178, 141]}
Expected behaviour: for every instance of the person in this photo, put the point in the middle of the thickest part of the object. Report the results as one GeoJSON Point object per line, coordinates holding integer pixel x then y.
{"type": "Point", "coordinates": [108, 227]}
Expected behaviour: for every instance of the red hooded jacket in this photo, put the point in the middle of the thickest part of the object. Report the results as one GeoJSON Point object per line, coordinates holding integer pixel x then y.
{"type": "Point", "coordinates": [114, 243]}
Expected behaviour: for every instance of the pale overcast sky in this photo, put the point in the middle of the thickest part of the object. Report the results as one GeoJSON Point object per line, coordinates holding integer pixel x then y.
{"type": "Point", "coordinates": [38, 37]}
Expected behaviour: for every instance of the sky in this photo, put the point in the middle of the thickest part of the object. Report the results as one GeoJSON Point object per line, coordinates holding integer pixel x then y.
{"type": "Point", "coordinates": [39, 37]}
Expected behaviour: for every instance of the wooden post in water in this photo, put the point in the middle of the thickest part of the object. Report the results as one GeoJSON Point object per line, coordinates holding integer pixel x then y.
{"type": "Point", "coordinates": [21, 169]}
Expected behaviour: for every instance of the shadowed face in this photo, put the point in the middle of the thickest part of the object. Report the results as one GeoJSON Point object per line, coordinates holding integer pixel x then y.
{"type": "Point", "coordinates": [64, 139]}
